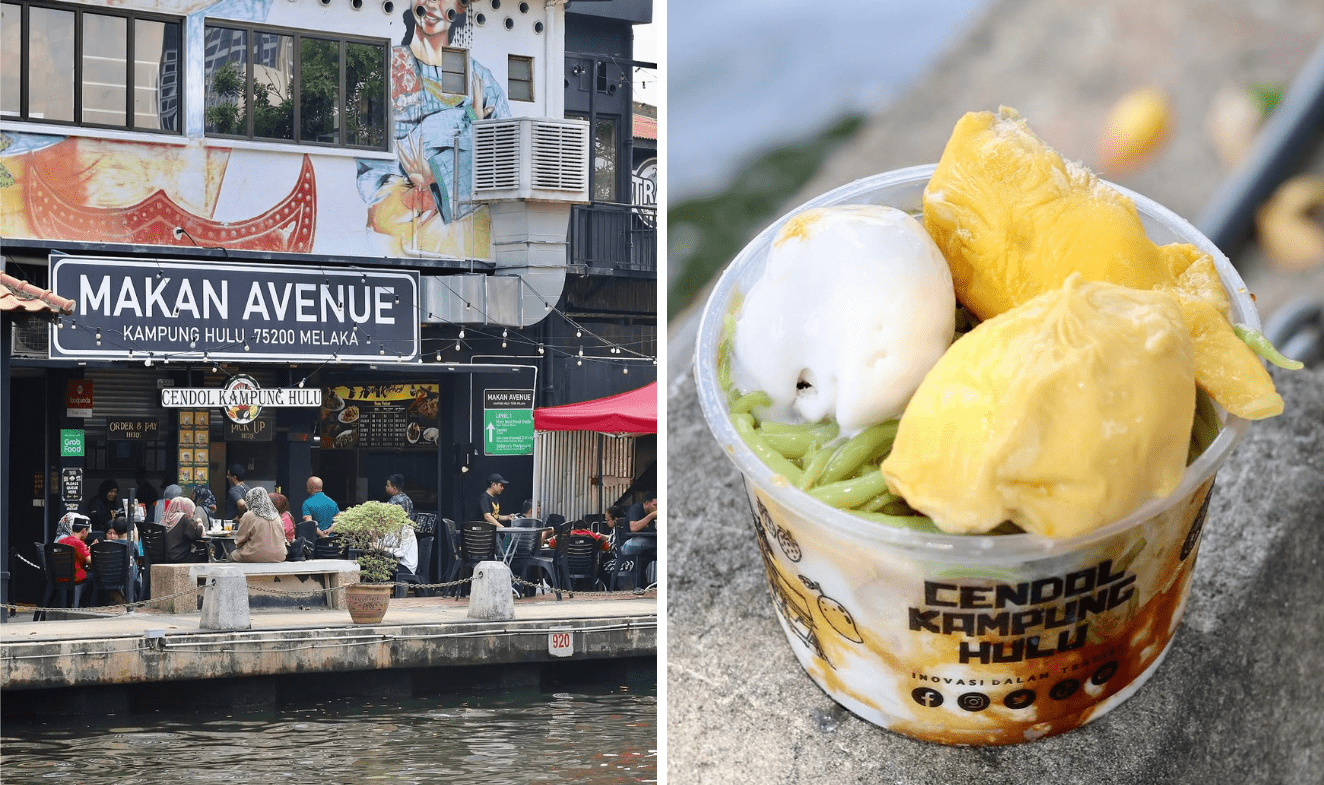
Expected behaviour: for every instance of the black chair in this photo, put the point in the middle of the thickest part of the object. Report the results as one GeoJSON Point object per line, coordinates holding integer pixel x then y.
{"type": "Point", "coordinates": [635, 565]}
{"type": "Point", "coordinates": [417, 577]}
{"type": "Point", "coordinates": [455, 548]}
{"type": "Point", "coordinates": [330, 548]}
{"type": "Point", "coordinates": [552, 564]}
{"type": "Point", "coordinates": [154, 552]}
{"type": "Point", "coordinates": [58, 562]}
{"type": "Point", "coordinates": [522, 552]}
{"type": "Point", "coordinates": [110, 561]}
{"type": "Point", "coordinates": [582, 554]}
{"type": "Point", "coordinates": [478, 541]}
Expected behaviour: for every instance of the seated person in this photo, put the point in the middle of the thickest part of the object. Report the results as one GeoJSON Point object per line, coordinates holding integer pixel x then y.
{"type": "Point", "coordinates": [261, 534]}
{"type": "Point", "coordinates": [286, 520]}
{"type": "Point", "coordinates": [205, 501]}
{"type": "Point", "coordinates": [171, 492]}
{"type": "Point", "coordinates": [641, 517]}
{"type": "Point", "coordinates": [183, 529]}
{"type": "Point", "coordinates": [76, 537]}
{"type": "Point", "coordinates": [119, 532]}
{"type": "Point", "coordinates": [403, 545]}
{"type": "Point", "coordinates": [604, 542]}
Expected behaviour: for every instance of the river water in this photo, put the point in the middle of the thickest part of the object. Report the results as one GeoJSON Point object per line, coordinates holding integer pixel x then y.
{"type": "Point", "coordinates": [595, 735]}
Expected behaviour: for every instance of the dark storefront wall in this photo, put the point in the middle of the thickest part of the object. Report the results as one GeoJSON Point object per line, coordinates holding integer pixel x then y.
{"type": "Point", "coordinates": [433, 477]}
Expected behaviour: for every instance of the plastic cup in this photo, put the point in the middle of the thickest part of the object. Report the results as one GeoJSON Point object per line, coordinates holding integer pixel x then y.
{"type": "Point", "coordinates": [969, 639]}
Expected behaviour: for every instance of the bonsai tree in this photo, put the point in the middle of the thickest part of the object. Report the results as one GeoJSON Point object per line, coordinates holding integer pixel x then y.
{"type": "Point", "coordinates": [367, 528]}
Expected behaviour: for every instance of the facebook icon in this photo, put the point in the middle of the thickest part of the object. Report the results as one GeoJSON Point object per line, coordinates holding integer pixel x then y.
{"type": "Point", "coordinates": [926, 696]}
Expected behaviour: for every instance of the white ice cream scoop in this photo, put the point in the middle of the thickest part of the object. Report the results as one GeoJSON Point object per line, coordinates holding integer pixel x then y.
{"type": "Point", "coordinates": [853, 308]}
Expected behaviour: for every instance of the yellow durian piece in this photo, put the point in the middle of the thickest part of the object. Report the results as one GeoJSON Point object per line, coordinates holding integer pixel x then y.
{"type": "Point", "coordinates": [1014, 220]}
{"type": "Point", "coordinates": [1060, 415]}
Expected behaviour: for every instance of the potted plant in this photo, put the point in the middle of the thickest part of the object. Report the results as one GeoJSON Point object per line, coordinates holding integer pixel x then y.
{"type": "Point", "coordinates": [366, 528]}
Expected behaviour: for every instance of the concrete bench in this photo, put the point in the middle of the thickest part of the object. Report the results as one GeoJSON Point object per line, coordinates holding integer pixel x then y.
{"type": "Point", "coordinates": [298, 576]}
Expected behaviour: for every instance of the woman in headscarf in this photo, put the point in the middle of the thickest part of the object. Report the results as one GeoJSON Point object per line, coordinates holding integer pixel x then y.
{"type": "Point", "coordinates": [283, 507]}
{"type": "Point", "coordinates": [105, 506]}
{"type": "Point", "coordinates": [170, 492]}
{"type": "Point", "coordinates": [261, 536]}
{"type": "Point", "coordinates": [182, 530]}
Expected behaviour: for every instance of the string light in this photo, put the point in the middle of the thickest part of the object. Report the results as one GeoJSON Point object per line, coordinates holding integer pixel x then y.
{"type": "Point", "coordinates": [246, 347]}
{"type": "Point", "coordinates": [625, 370]}
{"type": "Point", "coordinates": [461, 333]}
{"type": "Point", "coordinates": [457, 346]}
{"type": "Point", "coordinates": [301, 381]}
{"type": "Point", "coordinates": [438, 355]}
{"type": "Point", "coordinates": [541, 350]}
{"type": "Point", "coordinates": [192, 344]}
{"type": "Point", "coordinates": [579, 333]}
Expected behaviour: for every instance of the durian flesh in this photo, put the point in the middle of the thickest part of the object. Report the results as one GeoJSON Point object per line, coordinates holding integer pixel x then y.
{"type": "Point", "coordinates": [1061, 415]}
{"type": "Point", "coordinates": [1014, 220]}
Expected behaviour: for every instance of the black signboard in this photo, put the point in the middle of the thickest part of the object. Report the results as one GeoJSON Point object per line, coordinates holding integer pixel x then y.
{"type": "Point", "coordinates": [380, 416]}
{"type": "Point", "coordinates": [135, 429]}
{"type": "Point", "coordinates": [71, 485]}
{"type": "Point", "coordinates": [259, 430]}
{"type": "Point", "coordinates": [126, 309]}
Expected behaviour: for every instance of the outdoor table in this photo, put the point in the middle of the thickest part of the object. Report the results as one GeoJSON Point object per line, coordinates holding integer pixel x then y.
{"type": "Point", "coordinates": [220, 544]}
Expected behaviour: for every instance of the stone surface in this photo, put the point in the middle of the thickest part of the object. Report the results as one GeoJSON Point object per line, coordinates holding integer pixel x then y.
{"type": "Point", "coordinates": [490, 596]}
{"type": "Point", "coordinates": [268, 583]}
{"type": "Point", "coordinates": [225, 601]}
{"type": "Point", "coordinates": [1238, 698]}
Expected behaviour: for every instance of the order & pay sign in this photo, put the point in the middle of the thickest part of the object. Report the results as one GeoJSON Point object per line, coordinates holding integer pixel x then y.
{"type": "Point", "coordinates": [507, 422]}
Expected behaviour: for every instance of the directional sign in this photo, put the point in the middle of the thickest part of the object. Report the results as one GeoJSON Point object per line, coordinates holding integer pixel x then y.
{"type": "Point", "coordinates": [507, 422]}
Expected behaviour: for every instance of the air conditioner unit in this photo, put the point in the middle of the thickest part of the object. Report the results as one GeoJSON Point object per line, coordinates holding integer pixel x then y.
{"type": "Point", "coordinates": [532, 159]}
{"type": "Point", "coordinates": [31, 337]}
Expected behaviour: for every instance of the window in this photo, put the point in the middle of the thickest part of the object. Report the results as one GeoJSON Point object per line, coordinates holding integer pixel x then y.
{"type": "Point", "coordinates": [519, 78]}
{"type": "Point", "coordinates": [604, 157]}
{"type": "Point", "coordinates": [455, 71]}
{"type": "Point", "coordinates": [294, 87]}
{"type": "Point", "coordinates": [95, 67]}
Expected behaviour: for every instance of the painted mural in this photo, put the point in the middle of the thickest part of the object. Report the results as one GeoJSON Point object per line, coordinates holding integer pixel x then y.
{"type": "Point", "coordinates": [420, 201]}
{"type": "Point", "coordinates": [411, 201]}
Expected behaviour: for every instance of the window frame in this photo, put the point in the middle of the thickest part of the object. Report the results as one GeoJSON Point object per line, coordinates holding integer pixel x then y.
{"type": "Point", "coordinates": [344, 41]}
{"type": "Point", "coordinates": [465, 77]}
{"type": "Point", "coordinates": [510, 80]}
{"type": "Point", "coordinates": [131, 17]}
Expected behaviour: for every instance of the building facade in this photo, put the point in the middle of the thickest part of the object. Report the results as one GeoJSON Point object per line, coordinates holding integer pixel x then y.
{"type": "Point", "coordinates": [369, 201]}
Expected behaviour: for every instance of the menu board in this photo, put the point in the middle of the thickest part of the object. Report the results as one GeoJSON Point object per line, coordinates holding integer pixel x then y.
{"type": "Point", "coordinates": [194, 446]}
{"type": "Point", "coordinates": [379, 416]}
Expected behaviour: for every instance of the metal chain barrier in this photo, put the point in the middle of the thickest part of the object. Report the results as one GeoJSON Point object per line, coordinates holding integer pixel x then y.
{"type": "Point", "coordinates": [131, 606]}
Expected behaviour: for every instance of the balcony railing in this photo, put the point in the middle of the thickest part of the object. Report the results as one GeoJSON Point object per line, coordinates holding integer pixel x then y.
{"type": "Point", "coordinates": [620, 236]}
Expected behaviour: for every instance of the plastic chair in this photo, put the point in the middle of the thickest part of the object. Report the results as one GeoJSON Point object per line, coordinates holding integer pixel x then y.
{"type": "Point", "coordinates": [477, 544]}
{"type": "Point", "coordinates": [330, 548]}
{"type": "Point", "coordinates": [581, 560]}
{"type": "Point", "coordinates": [553, 565]}
{"type": "Point", "coordinates": [57, 561]}
{"type": "Point", "coordinates": [633, 564]}
{"type": "Point", "coordinates": [455, 544]}
{"type": "Point", "coordinates": [403, 575]}
{"type": "Point", "coordinates": [520, 555]}
{"type": "Point", "coordinates": [110, 561]}
{"type": "Point", "coordinates": [154, 551]}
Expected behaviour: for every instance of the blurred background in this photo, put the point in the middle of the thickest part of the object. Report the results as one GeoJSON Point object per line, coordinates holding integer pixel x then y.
{"type": "Point", "coordinates": [1214, 108]}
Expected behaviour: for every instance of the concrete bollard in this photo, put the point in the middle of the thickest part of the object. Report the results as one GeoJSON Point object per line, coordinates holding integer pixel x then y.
{"type": "Point", "coordinates": [489, 593]}
{"type": "Point", "coordinates": [225, 602]}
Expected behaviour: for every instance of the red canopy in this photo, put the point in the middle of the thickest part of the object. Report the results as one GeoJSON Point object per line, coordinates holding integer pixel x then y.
{"type": "Point", "coordinates": [628, 412]}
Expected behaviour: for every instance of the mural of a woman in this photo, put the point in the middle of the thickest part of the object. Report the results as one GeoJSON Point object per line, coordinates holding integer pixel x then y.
{"type": "Point", "coordinates": [438, 91]}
